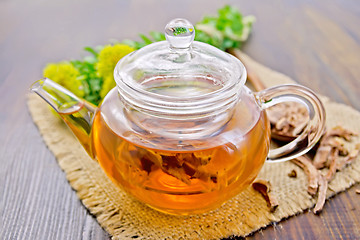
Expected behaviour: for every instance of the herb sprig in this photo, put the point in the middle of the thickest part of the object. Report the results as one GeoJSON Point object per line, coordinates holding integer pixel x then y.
{"type": "Point", "coordinates": [91, 82]}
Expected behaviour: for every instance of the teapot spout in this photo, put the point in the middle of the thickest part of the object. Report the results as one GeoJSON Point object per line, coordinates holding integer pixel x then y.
{"type": "Point", "coordinates": [77, 113]}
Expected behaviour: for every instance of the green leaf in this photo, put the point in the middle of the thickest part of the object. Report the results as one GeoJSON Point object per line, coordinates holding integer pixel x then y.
{"type": "Point", "coordinates": [134, 44]}
{"type": "Point", "coordinates": [227, 30]}
{"type": "Point", "coordinates": [95, 84]}
{"type": "Point", "coordinates": [145, 39]}
{"type": "Point", "coordinates": [158, 36]}
{"type": "Point", "coordinates": [92, 51]}
{"type": "Point", "coordinates": [90, 59]}
{"type": "Point", "coordinates": [92, 99]}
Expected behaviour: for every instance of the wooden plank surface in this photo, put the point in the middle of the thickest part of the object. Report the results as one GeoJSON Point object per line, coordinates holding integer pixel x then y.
{"type": "Point", "coordinates": [317, 43]}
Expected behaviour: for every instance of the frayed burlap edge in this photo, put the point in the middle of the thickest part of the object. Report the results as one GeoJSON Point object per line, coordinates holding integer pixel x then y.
{"type": "Point", "coordinates": [124, 218]}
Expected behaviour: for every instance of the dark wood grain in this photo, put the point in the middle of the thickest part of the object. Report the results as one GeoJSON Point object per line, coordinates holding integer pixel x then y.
{"type": "Point", "coordinates": [317, 43]}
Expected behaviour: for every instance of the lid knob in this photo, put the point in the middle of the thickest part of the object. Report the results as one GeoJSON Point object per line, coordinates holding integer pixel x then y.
{"type": "Point", "coordinates": [179, 33]}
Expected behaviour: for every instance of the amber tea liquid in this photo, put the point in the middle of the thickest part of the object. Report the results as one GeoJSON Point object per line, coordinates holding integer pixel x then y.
{"type": "Point", "coordinates": [190, 178]}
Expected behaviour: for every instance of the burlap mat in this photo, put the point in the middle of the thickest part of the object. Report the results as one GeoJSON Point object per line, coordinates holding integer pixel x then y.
{"type": "Point", "coordinates": [125, 218]}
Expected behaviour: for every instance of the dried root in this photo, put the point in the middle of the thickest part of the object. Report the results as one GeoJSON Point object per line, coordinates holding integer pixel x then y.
{"type": "Point", "coordinates": [339, 131]}
{"type": "Point", "coordinates": [321, 156]}
{"type": "Point", "coordinates": [264, 187]}
{"type": "Point", "coordinates": [184, 166]}
{"type": "Point", "coordinates": [311, 172]}
{"type": "Point", "coordinates": [333, 158]}
{"type": "Point", "coordinates": [331, 148]}
{"type": "Point", "coordinates": [323, 185]}
{"type": "Point", "coordinates": [317, 183]}
{"type": "Point", "coordinates": [287, 120]}
{"type": "Point", "coordinates": [292, 174]}
{"type": "Point", "coordinates": [349, 158]}
{"type": "Point", "coordinates": [327, 156]}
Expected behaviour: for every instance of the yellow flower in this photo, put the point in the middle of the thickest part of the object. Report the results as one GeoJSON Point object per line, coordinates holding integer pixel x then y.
{"type": "Point", "coordinates": [66, 75]}
{"type": "Point", "coordinates": [108, 58]}
{"type": "Point", "coordinates": [108, 84]}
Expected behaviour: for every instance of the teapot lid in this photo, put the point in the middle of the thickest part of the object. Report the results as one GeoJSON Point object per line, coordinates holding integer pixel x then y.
{"type": "Point", "coordinates": [179, 67]}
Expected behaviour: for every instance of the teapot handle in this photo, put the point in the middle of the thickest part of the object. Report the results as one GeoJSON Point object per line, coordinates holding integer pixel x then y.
{"type": "Point", "coordinates": [312, 131]}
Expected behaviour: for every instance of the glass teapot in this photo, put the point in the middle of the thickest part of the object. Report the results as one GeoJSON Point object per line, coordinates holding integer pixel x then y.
{"type": "Point", "coordinates": [181, 132]}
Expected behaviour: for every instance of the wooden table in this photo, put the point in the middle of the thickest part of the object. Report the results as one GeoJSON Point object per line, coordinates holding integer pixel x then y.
{"type": "Point", "coordinates": [316, 43]}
